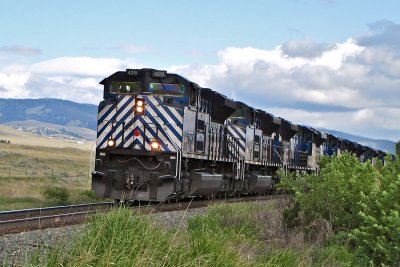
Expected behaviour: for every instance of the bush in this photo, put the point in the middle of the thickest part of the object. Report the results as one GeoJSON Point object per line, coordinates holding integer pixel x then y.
{"type": "Point", "coordinates": [359, 200]}
{"type": "Point", "coordinates": [90, 194]}
{"type": "Point", "coordinates": [378, 233]}
{"type": "Point", "coordinates": [334, 192]}
{"type": "Point", "coordinates": [57, 195]}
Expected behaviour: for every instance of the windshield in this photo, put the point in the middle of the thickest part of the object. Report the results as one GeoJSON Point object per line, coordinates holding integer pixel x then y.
{"type": "Point", "coordinates": [125, 87]}
{"type": "Point", "coordinates": [167, 89]}
{"type": "Point", "coordinates": [239, 113]}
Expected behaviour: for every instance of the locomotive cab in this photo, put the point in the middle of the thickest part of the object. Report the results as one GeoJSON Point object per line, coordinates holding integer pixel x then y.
{"type": "Point", "coordinates": [140, 122]}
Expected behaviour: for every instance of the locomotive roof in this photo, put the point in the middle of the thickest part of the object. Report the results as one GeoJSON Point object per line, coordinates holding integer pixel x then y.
{"type": "Point", "coordinates": [123, 76]}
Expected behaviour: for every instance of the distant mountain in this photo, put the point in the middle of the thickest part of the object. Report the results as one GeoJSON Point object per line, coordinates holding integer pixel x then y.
{"type": "Point", "coordinates": [384, 145]}
{"type": "Point", "coordinates": [55, 111]}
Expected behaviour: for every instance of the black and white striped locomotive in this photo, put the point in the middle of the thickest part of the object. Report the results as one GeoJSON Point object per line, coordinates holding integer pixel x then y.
{"type": "Point", "coordinates": [162, 137]}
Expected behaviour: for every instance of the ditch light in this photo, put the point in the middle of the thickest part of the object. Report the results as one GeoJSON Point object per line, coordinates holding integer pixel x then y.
{"type": "Point", "coordinates": [155, 146]}
{"type": "Point", "coordinates": [111, 143]}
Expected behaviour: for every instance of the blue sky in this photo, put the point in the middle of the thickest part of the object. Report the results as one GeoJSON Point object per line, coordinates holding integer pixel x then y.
{"type": "Point", "coordinates": [325, 63]}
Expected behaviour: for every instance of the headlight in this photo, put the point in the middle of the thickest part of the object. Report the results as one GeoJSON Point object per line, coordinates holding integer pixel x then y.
{"type": "Point", "coordinates": [155, 146]}
{"type": "Point", "coordinates": [111, 143]}
{"type": "Point", "coordinates": [139, 106]}
{"type": "Point", "coordinates": [139, 109]}
{"type": "Point", "coordinates": [139, 103]}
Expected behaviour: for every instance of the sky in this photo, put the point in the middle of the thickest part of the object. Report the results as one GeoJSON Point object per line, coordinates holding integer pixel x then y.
{"type": "Point", "coordinates": [331, 64]}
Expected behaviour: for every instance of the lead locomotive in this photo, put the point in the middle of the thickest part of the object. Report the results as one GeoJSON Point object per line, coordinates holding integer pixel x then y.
{"type": "Point", "coordinates": [162, 137]}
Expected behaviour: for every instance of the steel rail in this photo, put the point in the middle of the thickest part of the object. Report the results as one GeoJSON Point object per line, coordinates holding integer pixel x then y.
{"type": "Point", "coordinates": [34, 219]}
{"type": "Point", "coordinates": [45, 211]}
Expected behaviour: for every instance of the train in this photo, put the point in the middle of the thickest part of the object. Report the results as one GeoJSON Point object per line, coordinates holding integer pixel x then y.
{"type": "Point", "coordinates": [162, 137]}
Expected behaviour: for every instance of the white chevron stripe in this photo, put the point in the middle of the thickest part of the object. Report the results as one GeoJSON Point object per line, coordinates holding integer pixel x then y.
{"type": "Point", "coordinates": [146, 144]}
{"type": "Point", "coordinates": [127, 108]}
{"type": "Point", "coordinates": [153, 100]}
{"type": "Point", "coordinates": [163, 112]}
{"type": "Point", "coordinates": [238, 138]}
{"type": "Point", "coordinates": [232, 132]}
{"type": "Point", "coordinates": [122, 100]}
{"type": "Point", "coordinates": [109, 116]}
{"type": "Point", "coordinates": [103, 136]}
{"type": "Point", "coordinates": [159, 120]}
{"type": "Point", "coordinates": [176, 113]}
{"type": "Point", "coordinates": [139, 124]}
{"type": "Point", "coordinates": [129, 141]}
{"type": "Point", "coordinates": [104, 110]}
{"type": "Point", "coordinates": [116, 132]}
{"type": "Point", "coordinates": [162, 137]}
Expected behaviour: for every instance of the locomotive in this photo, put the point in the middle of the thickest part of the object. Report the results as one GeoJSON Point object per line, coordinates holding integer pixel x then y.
{"type": "Point", "coordinates": [162, 137]}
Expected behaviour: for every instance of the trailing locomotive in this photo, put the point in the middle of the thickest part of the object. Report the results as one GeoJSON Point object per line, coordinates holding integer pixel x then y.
{"type": "Point", "coordinates": [162, 137]}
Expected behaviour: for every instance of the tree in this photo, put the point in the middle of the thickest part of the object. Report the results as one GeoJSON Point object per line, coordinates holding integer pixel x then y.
{"type": "Point", "coordinates": [398, 148]}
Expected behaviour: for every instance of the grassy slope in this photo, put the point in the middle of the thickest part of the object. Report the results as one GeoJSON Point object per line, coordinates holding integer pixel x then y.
{"type": "Point", "coordinates": [30, 164]}
{"type": "Point", "coordinates": [24, 138]}
{"type": "Point", "coordinates": [86, 133]}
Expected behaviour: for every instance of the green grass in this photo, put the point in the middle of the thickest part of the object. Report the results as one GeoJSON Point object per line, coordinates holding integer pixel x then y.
{"type": "Point", "coordinates": [228, 235]}
{"type": "Point", "coordinates": [18, 203]}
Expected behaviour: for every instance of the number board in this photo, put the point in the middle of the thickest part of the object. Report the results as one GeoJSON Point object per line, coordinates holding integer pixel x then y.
{"type": "Point", "coordinates": [159, 74]}
{"type": "Point", "coordinates": [132, 72]}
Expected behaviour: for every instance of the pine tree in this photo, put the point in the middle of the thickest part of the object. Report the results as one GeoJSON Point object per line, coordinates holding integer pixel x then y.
{"type": "Point", "coordinates": [398, 148]}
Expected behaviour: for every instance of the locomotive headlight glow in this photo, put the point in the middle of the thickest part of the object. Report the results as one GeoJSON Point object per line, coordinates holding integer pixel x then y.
{"type": "Point", "coordinates": [155, 145]}
{"type": "Point", "coordinates": [111, 142]}
{"type": "Point", "coordinates": [139, 106]}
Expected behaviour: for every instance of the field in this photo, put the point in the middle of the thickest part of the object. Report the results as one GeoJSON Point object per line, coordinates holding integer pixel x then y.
{"type": "Point", "coordinates": [31, 167]}
{"type": "Point", "coordinates": [24, 138]}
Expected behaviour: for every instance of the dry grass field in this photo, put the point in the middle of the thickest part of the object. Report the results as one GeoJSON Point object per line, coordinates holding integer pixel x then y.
{"type": "Point", "coordinates": [24, 138]}
{"type": "Point", "coordinates": [31, 164]}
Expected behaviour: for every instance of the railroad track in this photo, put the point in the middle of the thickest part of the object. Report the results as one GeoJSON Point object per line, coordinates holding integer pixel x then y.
{"type": "Point", "coordinates": [15, 221]}
{"type": "Point", "coordinates": [33, 219]}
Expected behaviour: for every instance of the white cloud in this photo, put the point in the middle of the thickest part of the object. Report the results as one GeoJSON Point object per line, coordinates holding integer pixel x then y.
{"type": "Point", "coordinates": [380, 123]}
{"type": "Point", "coordinates": [81, 66]}
{"type": "Point", "coordinates": [13, 85]}
{"type": "Point", "coordinates": [351, 86]}
{"type": "Point", "coordinates": [347, 86]}
{"type": "Point", "coordinates": [71, 78]}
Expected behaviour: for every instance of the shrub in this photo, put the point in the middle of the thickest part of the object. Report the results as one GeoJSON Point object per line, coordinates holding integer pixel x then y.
{"type": "Point", "coordinates": [334, 192]}
{"type": "Point", "coordinates": [378, 233]}
{"type": "Point", "coordinates": [90, 194]}
{"type": "Point", "coordinates": [359, 200]}
{"type": "Point", "coordinates": [57, 195]}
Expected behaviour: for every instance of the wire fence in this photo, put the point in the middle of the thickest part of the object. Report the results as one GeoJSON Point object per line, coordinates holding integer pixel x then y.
{"type": "Point", "coordinates": [42, 172]}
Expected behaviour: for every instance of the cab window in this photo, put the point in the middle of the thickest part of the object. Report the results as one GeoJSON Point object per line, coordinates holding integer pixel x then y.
{"type": "Point", "coordinates": [125, 87]}
{"type": "Point", "coordinates": [167, 89]}
{"type": "Point", "coordinates": [239, 113]}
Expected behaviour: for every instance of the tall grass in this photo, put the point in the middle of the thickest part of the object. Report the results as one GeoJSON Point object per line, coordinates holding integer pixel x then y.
{"type": "Point", "coordinates": [118, 239]}
{"type": "Point", "coordinates": [228, 235]}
